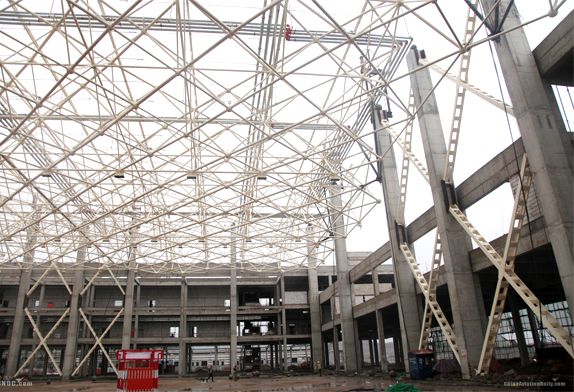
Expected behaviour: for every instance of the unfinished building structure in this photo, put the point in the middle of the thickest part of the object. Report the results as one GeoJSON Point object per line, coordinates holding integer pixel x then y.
{"type": "Point", "coordinates": [204, 178]}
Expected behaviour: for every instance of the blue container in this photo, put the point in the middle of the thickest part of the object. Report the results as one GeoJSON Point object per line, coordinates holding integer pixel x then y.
{"type": "Point", "coordinates": [420, 364]}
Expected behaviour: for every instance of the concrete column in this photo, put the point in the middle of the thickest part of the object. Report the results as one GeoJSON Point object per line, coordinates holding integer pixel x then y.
{"type": "Point", "coordinates": [550, 152]}
{"type": "Point", "coordinates": [376, 352]}
{"type": "Point", "coordinates": [233, 303]}
{"type": "Point", "coordinates": [359, 343]}
{"type": "Point", "coordinates": [128, 306]}
{"type": "Point", "coordinates": [336, 353]}
{"type": "Point", "coordinates": [380, 325]}
{"type": "Point", "coordinates": [137, 304]}
{"type": "Point", "coordinates": [343, 283]}
{"type": "Point", "coordinates": [278, 356]}
{"type": "Point", "coordinates": [399, 356]}
{"type": "Point", "coordinates": [409, 317]}
{"type": "Point", "coordinates": [463, 286]}
{"type": "Point", "coordinates": [314, 305]}
{"type": "Point", "coordinates": [533, 328]}
{"type": "Point", "coordinates": [518, 330]}
{"type": "Point", "coordinates": [42, 296]}
{"type": "Point", "coordinates": [136, 328]}
{"type": "Point", "coordinates": [18, 323]}
{"type": "Point", "coordinates": [182, 328]}
{"type": "Point", "coordinates": [137, 299]}
{"type": "Point", "coordinates": [129, 293]}
{"type": "Point", "coordinates": [73, 317]}
{"type": "Point", "coordinates": [91, 300]}
{"type": "Point", "coordinates": [284, 323]}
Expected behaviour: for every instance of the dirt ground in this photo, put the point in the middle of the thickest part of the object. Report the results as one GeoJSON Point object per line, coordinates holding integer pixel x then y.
{"type": "Point", "coordinates": [262, 384]}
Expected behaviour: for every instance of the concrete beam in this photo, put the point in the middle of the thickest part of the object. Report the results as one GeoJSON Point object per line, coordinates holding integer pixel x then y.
{"type": "Point", "coordinates": [478, 260]}
{"type": "Point", "coordinates": [328, 293]}
{"type": "Point", "coordinates": [371, 262]}
{"type": "Point", "coordinates": [555, 54]}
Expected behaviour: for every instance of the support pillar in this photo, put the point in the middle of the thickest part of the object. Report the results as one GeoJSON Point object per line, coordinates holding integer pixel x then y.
{"type": "Point", "coordinates": [129, 304]}
{"type": "Point", "coordinates": [129, 293]}
{"type": "Point", "coordinates": [314, 305]}
{"type": "Point", "coordinates": [534, 329]}
{"type": "Point", "coordinates": [336, 352]}
{"type": "Point", "coordinates": [343, 283]}
{"type": "Point", "coordinates": [550, 152]}
{"type": "Point", "coordinates": [182, 328]}
{"type": "Point", "coordinates": [284, 324]}
{"type": "Point", "coordinates": [376, 352]}
{"type": "Point", "coordinates": [382, 350]}
{"type": "Point", "coordinates": [463, 286]}
{"type": "Point", "coordinates": [407, 302]}
{"type": "Point", "coordinates": [73, 317]}
{"type": "Point", "coordinates": [398, 348]}
{"type": "Point", "coordinates": [518, 330]}
{"type": "Point", "coordinates": [233, 303]}
{"type": "Point", "coordinates": [18, 323]}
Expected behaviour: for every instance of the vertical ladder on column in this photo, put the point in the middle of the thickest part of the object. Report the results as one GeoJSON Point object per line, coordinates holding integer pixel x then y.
{"type": "Point", "coordinates": [433, 303]}
{"type": "Point", "coordinates": [460, 95]}
{"type": "Point", "coordinates": [406, 145]}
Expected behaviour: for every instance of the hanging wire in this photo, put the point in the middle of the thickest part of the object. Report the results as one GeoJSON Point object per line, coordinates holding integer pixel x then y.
{"type": "Point", "coordinates": [541, 325]}
{"type": "Point", "coordinates": [511, 137]}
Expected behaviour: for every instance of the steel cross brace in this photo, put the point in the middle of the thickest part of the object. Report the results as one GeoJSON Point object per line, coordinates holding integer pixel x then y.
{"type": "Point", "coordinates": [43, 340]}
{"type": "Point", "coordinates": [471, 88]}
{"type": "Point", "coordinates": [91, 281]}
{"type": "Point", "coordinates": [98, 341]}
{"type": "Point", "coordinates": [509, 256]}
{"type": "Point", "coordinates": [432, 284]}
{"type": "Point", "coordinates": [433, 303]}
{"type": "Point", "coordinates": [86, 320]}
{"type": "Point", "coordinates": [560, 333]}
{"type": "Point", "coordinates": [52, 265]}
{"type": "Point", "coordinates": [407, 152]}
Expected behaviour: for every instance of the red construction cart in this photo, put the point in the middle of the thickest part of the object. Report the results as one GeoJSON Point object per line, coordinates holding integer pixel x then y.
{"type": "Point", "coordinates": [138, 369]}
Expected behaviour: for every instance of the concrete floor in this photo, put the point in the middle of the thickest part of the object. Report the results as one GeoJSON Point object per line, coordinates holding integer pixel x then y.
{"type": "Point", "coordinates": [263, 384]}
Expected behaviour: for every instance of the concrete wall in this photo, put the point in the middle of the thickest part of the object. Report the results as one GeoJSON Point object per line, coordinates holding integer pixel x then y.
{"type": "Point", "coordinates": [156, 329]}
{"type": "Point", "coordinates": [296, 298]}
{"type": "Point", "coordinates": [163, 296]}
{"type": "Point", "coordinates": [105, 297]}
{"type": "Point", "coordinates": [203, 296]}
{"type": "Point", "coordinates": [211, 329]}
{"type": "Point", "coordinates": [58, 296]}
{"type": "Point", "coordinates": [9, 294]}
